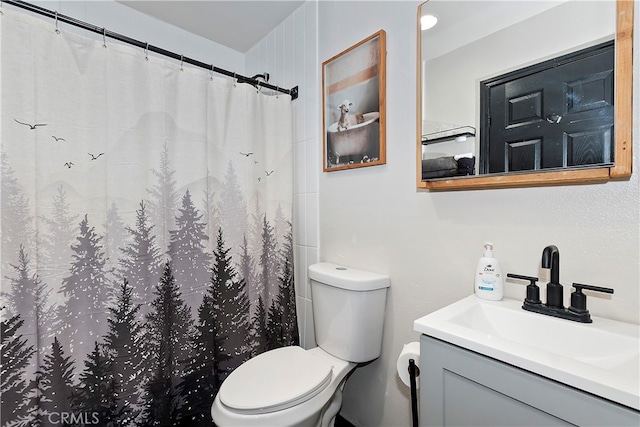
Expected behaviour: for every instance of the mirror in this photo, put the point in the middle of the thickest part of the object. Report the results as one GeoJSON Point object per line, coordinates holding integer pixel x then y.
{"type": "Point", "coordinates": [477, 41]}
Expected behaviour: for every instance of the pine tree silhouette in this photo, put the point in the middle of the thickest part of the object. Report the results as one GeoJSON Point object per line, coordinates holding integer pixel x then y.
{"type": "Point", "coordinates": [258, 339]}
{"type": "Point", "coordinates": [55, 244]}
{"type": "Point", "coordinates": [55, 382]}
{"type": "Point", "coordinates": [115, 232]}
{"type": "Point", "coordinates": [115, 237]}
{"type": "Point", "coordinates": [189, 261]}
{"type": "Point", "coordinates": [247, 272]}
{"type": "Point", "coordinates": [282, 324]}
{"type": "Point", "coordinates": [169, 332]}
{"type": "Point", "coordinates": [254, 229]}
{"type": "Point", "coordinates": [141, 263]}
{"type": "Point", "coordinates": [94, 400]}
{"type": "Point", "coordinates": [287, 295]}
{"type": "Point", "coordinates": [29, 298]}
{"type": "Point", "coordinates": [124, 349]}
{"type": "Point", "coordinates": [84, 314]}
{"type": "Point", "coordinates": [33, 399]}
{"type": "Point", "coordinates": [275, 330]}
{"type": "Point", "coordinates": [281, 227]}
{"type": "Point", "coordinates": [233, 209]}
{"type": "Point", "coordinates": [230, 310]}
{"type": "Point", "coordinates": [16, 227]}
{"type": "Point", "coordinates": [210, 213]}
{"type": "Point", "coordinates": [54, 252]}
{"type": "Point", "coordinates": [212, 348]}
{"type": "Point", "coordinates": [163, 199]}
{"type": "Point", "coordinates": [201, 384]}
{"type": "Point", "coordinates": [15, 355]}
{"type": "Point", "coordinates": [268, 263]}
{"type": "Point", "coordinates": [162, 403]}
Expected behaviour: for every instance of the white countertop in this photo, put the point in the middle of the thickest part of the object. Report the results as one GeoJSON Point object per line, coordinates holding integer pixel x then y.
{"type": "Point", "coordinates": [602, 358]}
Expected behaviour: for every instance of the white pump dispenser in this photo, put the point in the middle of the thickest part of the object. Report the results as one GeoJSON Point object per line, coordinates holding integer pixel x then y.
{"type": "Point", "coordinates": [489, 283]}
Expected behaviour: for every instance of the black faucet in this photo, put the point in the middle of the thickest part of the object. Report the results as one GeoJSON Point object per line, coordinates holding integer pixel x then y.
{"type": "Point", "coordinates": [554, 307]}
{"type": "Point", "coordinates": [551, 259]}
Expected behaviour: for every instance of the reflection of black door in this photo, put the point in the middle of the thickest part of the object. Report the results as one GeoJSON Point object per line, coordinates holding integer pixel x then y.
{"type": "Point", "coordinates": [556, 114]}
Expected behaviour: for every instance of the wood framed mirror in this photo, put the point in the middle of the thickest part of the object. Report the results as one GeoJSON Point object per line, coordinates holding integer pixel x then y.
{"type": "Point", "coordinates": [621, 149]}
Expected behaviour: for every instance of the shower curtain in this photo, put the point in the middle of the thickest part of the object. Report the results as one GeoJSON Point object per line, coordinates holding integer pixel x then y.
{"type": "Point", "coordinates": [146, 231]}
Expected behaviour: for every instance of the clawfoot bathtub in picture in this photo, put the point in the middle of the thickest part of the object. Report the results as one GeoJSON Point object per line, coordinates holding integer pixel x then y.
{"type": "Point", "coordinates": [358, 142]}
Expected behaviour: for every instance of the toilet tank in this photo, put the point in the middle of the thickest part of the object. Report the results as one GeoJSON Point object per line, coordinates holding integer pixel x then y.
{"type": "Point", "coordinates": [348, 310]}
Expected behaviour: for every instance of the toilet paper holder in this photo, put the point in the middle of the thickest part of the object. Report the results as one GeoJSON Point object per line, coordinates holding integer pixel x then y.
{"type": "Point", "coordinates": [414, 372]}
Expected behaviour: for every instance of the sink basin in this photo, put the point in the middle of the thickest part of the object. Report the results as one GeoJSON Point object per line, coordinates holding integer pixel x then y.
{"type": "Point", "coordinates": [602, 358]}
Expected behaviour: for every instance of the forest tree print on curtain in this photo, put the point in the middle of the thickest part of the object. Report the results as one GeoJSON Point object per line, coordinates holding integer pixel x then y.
{"type": "Point", "coordinates": [147, 243]}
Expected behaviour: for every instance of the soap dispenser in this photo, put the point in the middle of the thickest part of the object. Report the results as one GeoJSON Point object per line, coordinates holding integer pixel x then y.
{"type": "Point", "coordinates": [489, 283]}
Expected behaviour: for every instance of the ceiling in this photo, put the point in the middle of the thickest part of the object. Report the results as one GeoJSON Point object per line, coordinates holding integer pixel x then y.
{"type": "Point", "coordinates": [238, 24]}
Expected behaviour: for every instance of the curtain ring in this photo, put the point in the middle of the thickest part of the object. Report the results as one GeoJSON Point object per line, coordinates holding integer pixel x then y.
{"type": "Point", "coordinates": [211, 73]}
{"type": "Point", "coordinates": [104, 37]}
{"type": "Point", "coordinates": [235, 79]}
{"type": "Point", "coordinates": [57, 29]}
{"type": "Point", "coordinates": [181, 62]}
{"type": "Point", "coordinates": [146, 52]}
{"type": "Point", "coordinates": [258, 86]}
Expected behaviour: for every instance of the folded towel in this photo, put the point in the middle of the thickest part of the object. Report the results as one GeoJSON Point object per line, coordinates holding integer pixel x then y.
{"type": "Point", "coordinates": [438, 164]}
{"type": "Point", "coordinates": [439, 167]}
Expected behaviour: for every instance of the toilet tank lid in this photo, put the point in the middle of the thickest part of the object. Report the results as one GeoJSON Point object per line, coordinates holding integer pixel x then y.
{"type": "Point", "coordinates": [347, 278]}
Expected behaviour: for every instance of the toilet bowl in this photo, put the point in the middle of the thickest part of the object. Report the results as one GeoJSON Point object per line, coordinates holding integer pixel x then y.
{"type": "Point", "coordinates": [291, 386]}
{"type": "Point", "coordinates": [296, 387]}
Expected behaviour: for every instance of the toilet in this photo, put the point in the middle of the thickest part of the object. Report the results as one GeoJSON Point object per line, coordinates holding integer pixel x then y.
{"type": "Point", "coordinates": [291, 386]}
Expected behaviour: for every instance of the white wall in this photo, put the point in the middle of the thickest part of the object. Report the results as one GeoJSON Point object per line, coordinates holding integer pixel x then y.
{"type": "Point", "coordinates": [375, 219]}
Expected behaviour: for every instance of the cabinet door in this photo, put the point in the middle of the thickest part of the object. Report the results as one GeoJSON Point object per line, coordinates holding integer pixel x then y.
{"type": "Point", "coordinates": [462, 388]}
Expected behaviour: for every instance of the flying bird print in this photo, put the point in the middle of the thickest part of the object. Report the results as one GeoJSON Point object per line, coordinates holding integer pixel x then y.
{"type": "Point", "coordinates": [246, 154]}
{"type": "Point", "coordinates": [268, 173]}
{"type": "Point", "coordinates": [95, 157]}
{"type": "Point", "coordinates": [32, 127]}
{"type": "Point", "coordinates": [57, 139]}
{"type": "Point", "coordinates": [69, 164]}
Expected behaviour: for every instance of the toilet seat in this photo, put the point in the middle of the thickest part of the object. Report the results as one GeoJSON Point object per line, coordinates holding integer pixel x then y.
{"type": "Point", "coordinates": [288, 377]}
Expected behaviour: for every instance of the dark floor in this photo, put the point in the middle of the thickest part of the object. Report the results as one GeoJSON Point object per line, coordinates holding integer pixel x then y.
{"type": "Point", "coordinates": [341, 422]}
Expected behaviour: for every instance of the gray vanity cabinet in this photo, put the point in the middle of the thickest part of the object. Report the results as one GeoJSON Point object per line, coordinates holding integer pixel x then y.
{"type": "Point", "coordinates": [459, 387]}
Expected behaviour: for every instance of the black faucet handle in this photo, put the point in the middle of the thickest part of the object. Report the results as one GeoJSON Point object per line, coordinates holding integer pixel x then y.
{"type": "Point", "coordinates": [533, 280]}
{"type": "Point", "coordinates": [579, 300]}
{"type": "Point", "coordinates": [580, 286]}
{"type": "Point", "coordinates": [533, 291]}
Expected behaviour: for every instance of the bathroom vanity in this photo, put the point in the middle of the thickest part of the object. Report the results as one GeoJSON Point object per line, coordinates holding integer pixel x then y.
{"type": "Point", "coordinates": [459, 387]}
{"type": "Point", "coordinates": [490, 363]}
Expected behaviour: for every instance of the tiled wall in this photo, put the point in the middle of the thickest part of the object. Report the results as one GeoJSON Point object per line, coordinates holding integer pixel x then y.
{"type": "Point", "coordinates": [289, 55]}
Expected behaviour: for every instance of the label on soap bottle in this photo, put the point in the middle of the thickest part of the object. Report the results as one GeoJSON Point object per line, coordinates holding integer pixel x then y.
{"type": "Point", "coordinates": [487, 278]}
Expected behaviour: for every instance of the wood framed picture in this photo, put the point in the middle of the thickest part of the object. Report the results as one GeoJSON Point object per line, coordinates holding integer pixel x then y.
{"type": "Point", "coordinates": [353, 105]}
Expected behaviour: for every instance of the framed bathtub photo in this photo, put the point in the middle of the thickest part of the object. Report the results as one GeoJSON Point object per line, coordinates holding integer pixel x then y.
{"type": "Point", "coordinates": [353, 106]}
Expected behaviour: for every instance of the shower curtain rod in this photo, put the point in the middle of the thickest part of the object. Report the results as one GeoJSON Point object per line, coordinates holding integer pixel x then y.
{"type": "Point", "coordinates": [106, 33]}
